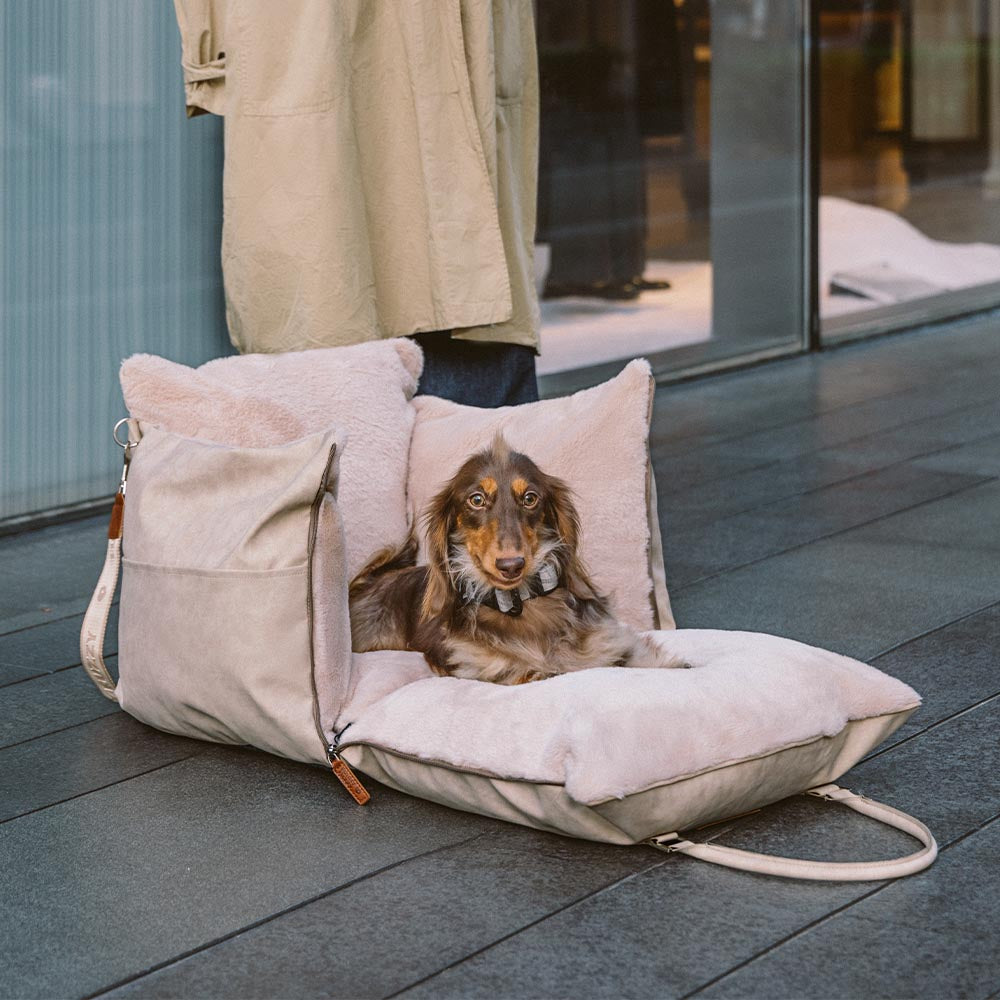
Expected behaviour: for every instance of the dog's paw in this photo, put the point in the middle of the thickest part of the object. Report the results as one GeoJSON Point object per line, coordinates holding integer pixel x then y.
{"type": "Point", "coordinates": [649, 653]}
{"type": "Point", "coordinates": [526, 678]}
{"type": "Point", "coordinates": [670, 662]}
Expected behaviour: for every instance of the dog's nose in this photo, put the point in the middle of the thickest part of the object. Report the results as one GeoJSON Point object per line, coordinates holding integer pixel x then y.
{"type": "Point", "coordinates": [510, 568]}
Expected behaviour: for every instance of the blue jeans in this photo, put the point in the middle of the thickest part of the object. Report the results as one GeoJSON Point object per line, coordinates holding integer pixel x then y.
{"type": "Point", "coordinates": [474, 373]}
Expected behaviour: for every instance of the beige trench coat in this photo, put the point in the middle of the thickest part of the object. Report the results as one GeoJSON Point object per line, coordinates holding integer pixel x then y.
{"type": "Point", "coordinates": [380, 167]}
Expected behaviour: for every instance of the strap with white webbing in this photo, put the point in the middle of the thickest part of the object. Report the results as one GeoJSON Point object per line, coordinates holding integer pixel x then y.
{"type": "Point", "coordinates": [95, 620]}
{"type": "Point", "coordinates": [827, 871]}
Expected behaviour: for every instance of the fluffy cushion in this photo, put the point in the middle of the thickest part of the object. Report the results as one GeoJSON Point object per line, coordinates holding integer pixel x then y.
{"type": "Point", "coordinates": [756, 719]}
{"type": "Point", "coordinates": [260, 400]}
{"type": "Point", "coordinates": [597, 441]}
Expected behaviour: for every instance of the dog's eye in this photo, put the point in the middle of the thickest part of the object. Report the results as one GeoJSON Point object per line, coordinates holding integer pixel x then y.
{"type": "Point", "coordinates": [477, 500]}
{"type": "Point", "coordinates": [530, 499]}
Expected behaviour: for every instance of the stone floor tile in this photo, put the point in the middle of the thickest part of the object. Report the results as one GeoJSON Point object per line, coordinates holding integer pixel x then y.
{"type": "Point", "coordinates": [980, 458]}
{"type": "Point", "coordinates": [50, 573]}
{"type": "Point", "coordinates": [49, 703]}
{"type": "Point", "coordinates": [660, 934]}
{"type": "Point", "coordinates": [926, 438]}
{"type": "Point", "coordinates": [935, 934]}
{"type": "Point", "coordinates": [955, 667]}
{"type": "Point", "coordinates": [868, 589]}
{"type": "Point", "coordinates": [851, 957]}
{"type": "Point", "coordinates": [65, 764]}
{"type": "Point", "coordinates": [113, 883]}
{"type": "Point", "coordinates": [730, 542]}
{"type": "Point", "coordinates": [43, 649]}
{"type": "Point", "coordinates": [752, 489]}
{"type": "Point", "coordinates": [380, 935]}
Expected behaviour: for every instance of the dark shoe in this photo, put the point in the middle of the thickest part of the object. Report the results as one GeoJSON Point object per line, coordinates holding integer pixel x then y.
{"type": "Point", "coordinates": [618, 291]}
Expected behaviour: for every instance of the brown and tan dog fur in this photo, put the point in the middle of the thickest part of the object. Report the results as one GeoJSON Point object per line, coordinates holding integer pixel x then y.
{"type": "Point", "coordinates": [494, 526]}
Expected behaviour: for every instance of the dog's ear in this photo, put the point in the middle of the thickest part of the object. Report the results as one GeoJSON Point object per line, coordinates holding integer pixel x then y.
{"type": "Point", "coordinates": [564, 518]}
{"type": "Point", "coordinates": [439, 522]}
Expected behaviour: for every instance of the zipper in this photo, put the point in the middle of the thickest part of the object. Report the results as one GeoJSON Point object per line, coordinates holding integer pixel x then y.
{"type": "Point", "coordinates": [341, 769]}
{"type": "Point", "coordinates": [344, 774]}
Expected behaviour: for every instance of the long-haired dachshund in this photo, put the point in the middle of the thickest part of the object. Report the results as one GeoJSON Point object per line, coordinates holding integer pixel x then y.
{"type": "Point", "coordinates": [504, 596]}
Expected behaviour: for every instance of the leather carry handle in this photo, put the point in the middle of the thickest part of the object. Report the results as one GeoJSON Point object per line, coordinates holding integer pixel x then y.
{"type": "Point", "coordinates": [827, 871]}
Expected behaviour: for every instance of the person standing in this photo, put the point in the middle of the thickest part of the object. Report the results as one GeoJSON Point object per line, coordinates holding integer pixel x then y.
{"type": "Point", "coordinates": [380, 178]}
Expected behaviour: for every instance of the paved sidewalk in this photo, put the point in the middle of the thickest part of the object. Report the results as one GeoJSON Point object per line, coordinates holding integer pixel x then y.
{"type": "Point", "coordinates": [850, 500]}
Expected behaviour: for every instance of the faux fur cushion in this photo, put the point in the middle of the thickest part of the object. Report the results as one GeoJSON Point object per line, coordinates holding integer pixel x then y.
{"type": "Point", "coordinates": [595, 440]}
{"type": "Point", "coordinates": [610, 732]}
{"type": "Point", "coordinates": [259, 400]}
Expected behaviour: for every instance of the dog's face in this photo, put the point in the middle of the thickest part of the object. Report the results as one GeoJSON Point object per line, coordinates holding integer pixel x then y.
{"type": "Point", "coordinates": [497, 519]}
{"type": "Point", "coordinates": [497, 507]}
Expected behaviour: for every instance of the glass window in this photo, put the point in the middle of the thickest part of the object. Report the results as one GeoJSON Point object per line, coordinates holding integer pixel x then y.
{"type": "Point", "coordinates": [672, 183]}
{"type": "Point", "coordinates": [110, 203]}
{"type": "Point", "coordinates": [909, 217]}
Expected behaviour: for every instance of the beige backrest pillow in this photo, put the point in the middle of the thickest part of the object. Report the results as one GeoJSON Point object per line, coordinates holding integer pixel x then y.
{"type": "Point", "coordinates": [597, 440]}
{"type": "Point", "coordinates": [259, 400]}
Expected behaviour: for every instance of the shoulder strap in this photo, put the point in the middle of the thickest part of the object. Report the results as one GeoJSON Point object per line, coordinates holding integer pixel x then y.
{"type": "Point", "coordinates": [827, 871]}
{"type": "Point", "coordinates": [95, 621]}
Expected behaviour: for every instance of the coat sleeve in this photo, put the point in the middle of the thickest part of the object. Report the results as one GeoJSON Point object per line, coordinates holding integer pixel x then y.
{"type": "Point", "coordinates": [202, 25]}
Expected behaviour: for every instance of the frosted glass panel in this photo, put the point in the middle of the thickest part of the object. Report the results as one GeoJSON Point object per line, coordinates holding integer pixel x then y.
{"type": "Point", "coordinates": [110, 213]}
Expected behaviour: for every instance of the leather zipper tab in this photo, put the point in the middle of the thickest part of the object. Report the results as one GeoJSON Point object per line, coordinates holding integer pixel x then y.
{"type": "Point", "coordinates": [347, 777]}
{"type": "Point", "coordinates": [117, 513]}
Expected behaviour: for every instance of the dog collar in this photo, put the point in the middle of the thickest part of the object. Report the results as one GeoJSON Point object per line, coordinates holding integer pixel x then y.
{"type": "Point", "coordinates": [511, 602]}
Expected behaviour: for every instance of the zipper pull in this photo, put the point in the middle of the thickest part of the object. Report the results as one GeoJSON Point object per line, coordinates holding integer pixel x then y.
{"type": "Point", "coordinates": [346, 776]}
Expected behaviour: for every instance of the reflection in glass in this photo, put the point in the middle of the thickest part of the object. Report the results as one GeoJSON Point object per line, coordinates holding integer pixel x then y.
{"type": "Point", "coordinates": [909, 158]}
{"type": "Point", "coordinates": [671, 181]}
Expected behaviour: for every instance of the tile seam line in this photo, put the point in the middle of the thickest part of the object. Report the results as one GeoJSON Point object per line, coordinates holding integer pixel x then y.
{"type": "Point", "coordinates": [176, 959]}
{"type": "Point", "coordinates": [49, 621]}
{"type": "Point", "coordinates": [878, 888]}
{"type": "Point", "coordinates": [853, 477]}
{"type": "Point", "coordinates": [936, 628]}
{"type": "Point", "coordinates": [826, 537]}
{"type": "Point", "coordinates": [771, 463]}
{"type": "Point", "coordinates": [712, 442]}
{"type": "Point", "coordinates": [932, 726]}
{"type": "Point", "coordinates": [819, 921]}
{"type": "Point", "coordinates": [526, 927]}
{"type": "Point", "coordinates": [61, 729]}
{"type": "Point", "coordinates": [100, 788]}
{"type": "Point", "coordinates": [69, 608]}
{"type": "Point", "coordinates": [960, 371]}
{"type": "Point", "coordinates": [50, 673]}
